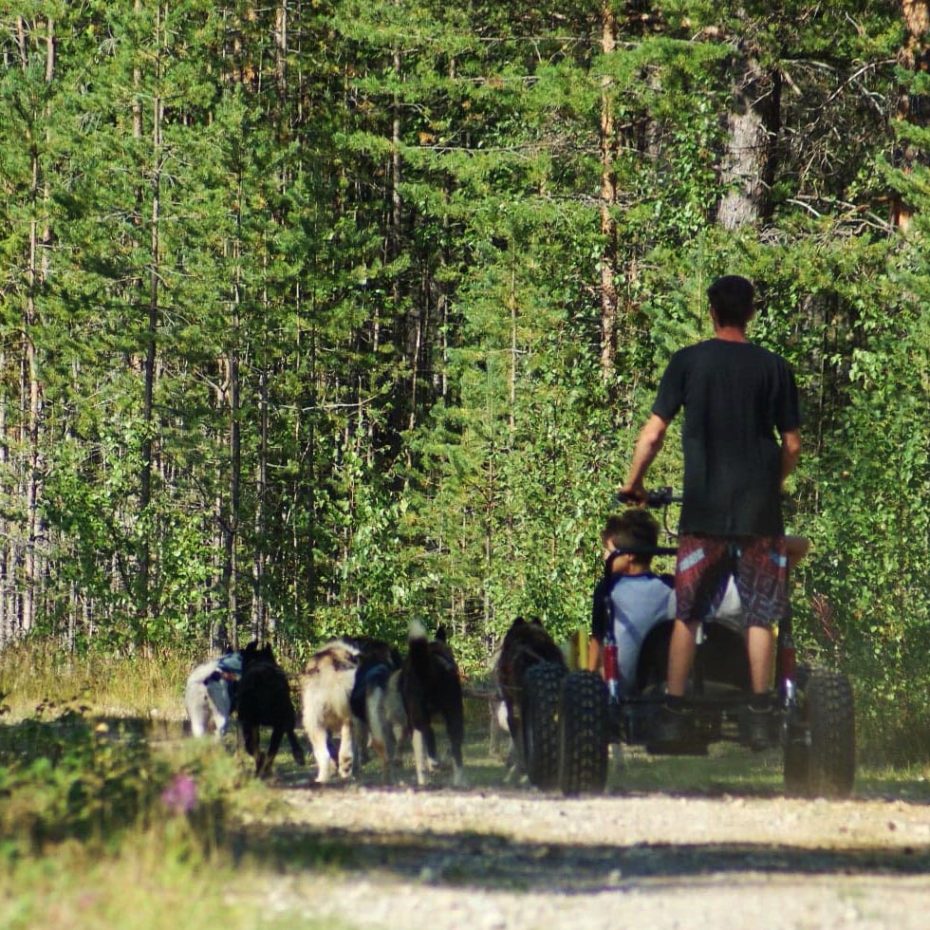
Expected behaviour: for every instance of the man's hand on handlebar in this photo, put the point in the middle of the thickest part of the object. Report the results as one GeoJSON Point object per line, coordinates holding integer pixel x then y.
{"type": "Point", "coordinates": [638, 496]}
{"type": "Point", "coordinates": [632, 494]}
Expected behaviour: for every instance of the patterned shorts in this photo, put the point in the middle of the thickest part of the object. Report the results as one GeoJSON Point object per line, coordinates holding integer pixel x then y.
{"type": "Point", "coordinates": [758, 564]}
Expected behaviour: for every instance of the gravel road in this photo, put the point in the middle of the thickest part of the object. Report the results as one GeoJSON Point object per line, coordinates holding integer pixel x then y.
{"type": "Point", "coordinates": [494, 858]}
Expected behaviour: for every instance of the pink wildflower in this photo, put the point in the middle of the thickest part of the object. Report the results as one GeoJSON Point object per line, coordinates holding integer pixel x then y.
{"type": "Point", "coordinates": [180, 797]}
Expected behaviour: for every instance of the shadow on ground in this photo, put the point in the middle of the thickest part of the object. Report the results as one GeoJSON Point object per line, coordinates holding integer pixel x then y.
{"type": "Point", "coordinates": [494, 862]}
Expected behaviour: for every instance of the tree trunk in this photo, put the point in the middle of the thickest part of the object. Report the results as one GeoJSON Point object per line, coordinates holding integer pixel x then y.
{"type": "Point", "coordinates": [753, 124]}
{"type": "Point", "coordinates": [280, 45]}
{"type": "Point", "coordinates": [608, 199]}
{"type": "Point", "coordinates": [260, 606]}
{"type": "Point", "coordinates": [144, 607]}
{"type": "Point", "coordinates": [31, 390]}
{"type": "Point", "coordinates": [235, 484]}
{"type": "Point", "coordinates": [914, 56]}
{"type": "Point", "coordinates": [512, 373]}
{"type": "Point", "coordinates": [260, 545]}
{"type": "Point", "coordinates": [35, 272]}
{"type": "Point", "coordinates": [401, 326]}
{"type": "Point", "coordinates": [6, 630]}
{"type": "Point", "coordinates": [137, 85]}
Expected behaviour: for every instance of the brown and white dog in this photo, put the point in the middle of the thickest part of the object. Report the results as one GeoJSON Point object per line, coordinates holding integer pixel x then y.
{"type": "Point", "coordinates": [525, 644]}
{"type": "Point", "coordinates": [338, 687]}
{"type": "Point", "coordinates": [430, 686]}
{"type": "Point", "coordinates": [325, 688]}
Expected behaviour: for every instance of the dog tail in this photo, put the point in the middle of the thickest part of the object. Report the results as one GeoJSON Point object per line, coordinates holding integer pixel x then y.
{"type": "Point", "coordinates": [419, 650]}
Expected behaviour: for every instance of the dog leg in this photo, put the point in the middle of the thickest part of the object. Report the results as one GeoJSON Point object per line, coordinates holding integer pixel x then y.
{"type": "Point", "coordinates": [382, 733]}
{"type": "Point", "coordinates": [455, 727]}
{"type": "Point", "coordinates": [458, 775]}
{"type": "Point", "coordinates": [362, 742]}
{"type": "Point", "coordinates": [421, 757]}
{"type": "Point", "coordinates": [277, 734]}
{"type": "Point", "coordinates": [432, 756]}
{"type": "Point", "coordinates": [390, 754]}
{"type": "Point", "coordinates": [320, 745]}
{"type": "Point", "coordinates": [346, 755]}
{"type": "Point", "coordinates": [220, 705]}
{"type": "Point", "coordinates": [198, 717]}
{"type": "Point", "coordinates": [382, 753]}
{"type": "Point", "coordinates": [250, 738]}
{"type": "Point", "coordinates": [196, 702]}
{"type": "Point", "coordinates": [297, 751]}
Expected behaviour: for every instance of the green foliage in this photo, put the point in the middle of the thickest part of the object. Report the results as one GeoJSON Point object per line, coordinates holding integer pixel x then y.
{"type": "Point", "coordinates": [367, 257]}
{"type": "Point", "coordinates": [71, 779]}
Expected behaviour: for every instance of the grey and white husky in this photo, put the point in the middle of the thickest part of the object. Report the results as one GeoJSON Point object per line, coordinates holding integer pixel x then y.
{"type": "Point", "coordinates": [210, 692]}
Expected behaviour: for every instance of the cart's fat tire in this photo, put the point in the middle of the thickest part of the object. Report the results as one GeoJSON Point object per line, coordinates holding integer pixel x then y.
{"type": "Point", "coordinates": [542, 685]}
{"type": "Point", "coordinates": [824, 763]}
{"type": "Point", "coordinates": [583, 734]}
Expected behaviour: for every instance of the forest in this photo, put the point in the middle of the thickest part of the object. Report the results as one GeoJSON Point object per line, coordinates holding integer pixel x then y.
{"type": "Point", "coordinates": [319, 316]}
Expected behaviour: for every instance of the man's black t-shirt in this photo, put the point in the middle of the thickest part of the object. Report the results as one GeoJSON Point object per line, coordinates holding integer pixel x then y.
{"type": "Point", "coordinates": [738, 398]}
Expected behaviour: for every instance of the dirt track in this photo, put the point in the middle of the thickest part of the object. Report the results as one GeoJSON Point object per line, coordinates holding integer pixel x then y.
{"type": "Point", "coordinates": [491, 858]}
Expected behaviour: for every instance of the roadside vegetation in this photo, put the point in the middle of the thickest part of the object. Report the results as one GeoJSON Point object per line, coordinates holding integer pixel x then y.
{"type": "Point", "coordinates": [102, 824]}
{"type": "Point", "coordinates": [108, 814]}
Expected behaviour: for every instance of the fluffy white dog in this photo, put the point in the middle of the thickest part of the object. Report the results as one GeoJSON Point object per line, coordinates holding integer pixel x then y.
{"type": "Point", "coordinates": [208, 695]}
{"type": "Point", "coordinates": [325, 687]}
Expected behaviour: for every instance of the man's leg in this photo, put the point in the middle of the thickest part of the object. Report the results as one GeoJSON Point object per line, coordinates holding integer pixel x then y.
{"type": "Point", "coordinates": [681, 651]}
{"type": "Point", "coordinates": [699, 572]}
{"type": "Point", "coordinates": [763, 583]}
{"type": "Point", "coordinates": [760, 645]}
{"type": "Point", "coordinates": [763, 586]}
{"type": "Point", "coordinates": [675, 724]}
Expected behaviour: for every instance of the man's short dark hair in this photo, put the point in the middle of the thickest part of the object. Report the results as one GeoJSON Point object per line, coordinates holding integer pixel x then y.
{"type": "Point", "coordinates": [731, 298]}
{"type": "Point", "coordinates": [633, 529]}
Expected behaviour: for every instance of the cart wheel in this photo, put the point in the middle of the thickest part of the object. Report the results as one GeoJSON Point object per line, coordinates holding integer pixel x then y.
{"type": "Point", "coordinates": [541, 687]}
{"type": "Point", "coordinates": [820, 756]}
{"type": "Point", "coordinates": [583, 734]}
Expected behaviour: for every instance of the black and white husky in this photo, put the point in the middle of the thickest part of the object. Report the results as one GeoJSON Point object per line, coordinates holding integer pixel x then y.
{"type": "Point", "coordinates": [376, 704]}
{"type": "Point", "coordinates": [210, 692]}
{"type": "Point", "coordinates": [526, 644]}
{"type": "Point", "coordinates": [429, 686]}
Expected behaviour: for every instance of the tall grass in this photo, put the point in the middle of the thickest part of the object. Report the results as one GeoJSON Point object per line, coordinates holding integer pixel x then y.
{"type": "Point", "coordinates": [151, 882]}
{"type": "Point", "coordinates": [37, 676]}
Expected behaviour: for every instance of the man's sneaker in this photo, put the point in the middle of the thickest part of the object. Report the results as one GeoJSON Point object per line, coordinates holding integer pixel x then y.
{"type": "Point", "coordinates": [761, 721]}
{"type": "Point", "coordinates": [674, 729]}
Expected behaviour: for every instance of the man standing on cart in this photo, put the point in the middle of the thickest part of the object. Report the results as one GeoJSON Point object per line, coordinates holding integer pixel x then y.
{"type": "Point", "coordinates": [741, 439]}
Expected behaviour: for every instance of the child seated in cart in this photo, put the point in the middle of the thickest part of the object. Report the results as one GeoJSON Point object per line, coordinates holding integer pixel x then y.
{"type": "Point", "coordinates": [630, 599]}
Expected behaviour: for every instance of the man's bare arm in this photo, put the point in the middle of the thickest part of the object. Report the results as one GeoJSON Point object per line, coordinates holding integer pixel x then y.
{"type": "Point", "coordinates": [790, 452]}
{"type": "Point", "coordinates": [648, 445]}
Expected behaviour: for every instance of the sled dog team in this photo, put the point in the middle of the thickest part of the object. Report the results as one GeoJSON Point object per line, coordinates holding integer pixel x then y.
{"type": "Point", "coordinates": [358, 689]}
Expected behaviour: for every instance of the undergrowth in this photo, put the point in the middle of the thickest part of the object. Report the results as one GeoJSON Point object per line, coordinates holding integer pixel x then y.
{"type": "Point", "coordinates": [99, 828]}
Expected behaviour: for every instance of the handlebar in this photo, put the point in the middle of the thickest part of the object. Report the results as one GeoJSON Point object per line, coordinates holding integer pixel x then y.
{"type": "Point", "coordinates": [656, 498]}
